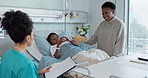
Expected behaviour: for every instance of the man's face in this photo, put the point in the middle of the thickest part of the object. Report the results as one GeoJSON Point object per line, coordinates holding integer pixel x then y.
{"type": "Point", "coordinates": [107, 14]}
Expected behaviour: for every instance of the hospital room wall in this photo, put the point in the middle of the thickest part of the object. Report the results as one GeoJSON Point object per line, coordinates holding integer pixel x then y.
{"type": "Point", "coordinates": [42, 4]}
{"type": "Point", "coordinates": [7, 43]}
{"type": "Point", "coordinates": [75, 5]}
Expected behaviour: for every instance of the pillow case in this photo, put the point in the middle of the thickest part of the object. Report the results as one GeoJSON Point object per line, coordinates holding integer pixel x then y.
{"type": "Point", "coordinates": [42, 45]}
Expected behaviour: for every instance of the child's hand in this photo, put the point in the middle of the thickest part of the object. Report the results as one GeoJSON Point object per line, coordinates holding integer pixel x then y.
{"type": "Point", "coordinates": [66, 39]}
{"type": "Point", "coordinates": [62, 39]}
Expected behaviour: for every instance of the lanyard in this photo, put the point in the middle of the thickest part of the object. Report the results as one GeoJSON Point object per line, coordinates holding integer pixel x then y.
{"type": "Point", "coordinates": [20, 49]}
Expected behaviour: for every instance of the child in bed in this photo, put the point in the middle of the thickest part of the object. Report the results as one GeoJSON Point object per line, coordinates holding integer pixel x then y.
{"type": "Point", "coordinates": [56, 42]}
{"type": "Point", "coordinates": [80, 52]}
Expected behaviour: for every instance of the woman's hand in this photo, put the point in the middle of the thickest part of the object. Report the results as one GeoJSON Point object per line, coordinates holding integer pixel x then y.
{"type": "Point", "coordinates": [44, 70]}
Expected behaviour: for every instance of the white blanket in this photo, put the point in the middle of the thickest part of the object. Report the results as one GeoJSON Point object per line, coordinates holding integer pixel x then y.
{"type": "Point", "coordinates": [92, 56]}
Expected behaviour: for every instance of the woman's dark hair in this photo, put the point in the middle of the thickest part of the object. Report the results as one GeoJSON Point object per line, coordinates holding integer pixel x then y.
{"type": "Point", "coordinates": [48, 38]}
{"type": "Point", "coordinates": [0, 18]}
{"type": "Point", "coordinates": [17, 24]}
{"type": "Point", "coordinates": [109, 5]}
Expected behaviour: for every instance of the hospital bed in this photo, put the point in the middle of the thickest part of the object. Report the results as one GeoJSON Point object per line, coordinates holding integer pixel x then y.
{"type": "Point", "coordinates": [115, 68]}
{"type": "Point", "coordinates": [39, 51]}
{"type": "Point", "coordinates": [36, 56]}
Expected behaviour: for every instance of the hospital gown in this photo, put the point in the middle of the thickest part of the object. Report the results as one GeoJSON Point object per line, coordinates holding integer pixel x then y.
{"type": "Point", "coordinates": [14, 64]}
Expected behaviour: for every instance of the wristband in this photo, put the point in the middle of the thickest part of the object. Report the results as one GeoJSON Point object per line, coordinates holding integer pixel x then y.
{"type": "Point", "coordinates": [72, 40]}
{"type": "Point", "coordinates": [58, 48]}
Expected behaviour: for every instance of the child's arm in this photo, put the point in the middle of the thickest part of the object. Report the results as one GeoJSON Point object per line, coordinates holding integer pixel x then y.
{"type": "Point", "coordinates": [57, 53]}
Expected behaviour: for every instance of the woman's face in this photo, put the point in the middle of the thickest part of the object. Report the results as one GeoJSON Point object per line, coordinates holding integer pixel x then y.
{"type": "Point", "coordinates": [107, 14]}
{"type": "Point", "coordinates": [53, 39]}
{"type": "Point", "coordinates": [30, 39]}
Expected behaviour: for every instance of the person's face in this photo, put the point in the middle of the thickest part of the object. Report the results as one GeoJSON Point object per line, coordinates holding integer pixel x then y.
{"type": "Point", "coordinates": [53, 39]}
{"type": "Point", "coordinates": [30, 39]}
{"type": "Point", "coordinates": [107, 14]}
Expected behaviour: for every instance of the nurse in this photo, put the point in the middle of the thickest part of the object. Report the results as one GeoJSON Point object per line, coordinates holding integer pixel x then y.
{"type": "Point", "coordinates": [14, 63]}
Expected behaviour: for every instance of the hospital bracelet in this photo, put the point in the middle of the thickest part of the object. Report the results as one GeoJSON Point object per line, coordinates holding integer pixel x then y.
{"type": "Point", "coordinates": [58, 48]}
{"type": "Point", "coordinates": [72, 40]}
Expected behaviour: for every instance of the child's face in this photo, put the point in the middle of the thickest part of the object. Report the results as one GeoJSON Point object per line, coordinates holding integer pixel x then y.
{"type": "Point", "coordinates": [107, 14]}
{"type": "Point", "coordinates": [53, 39]}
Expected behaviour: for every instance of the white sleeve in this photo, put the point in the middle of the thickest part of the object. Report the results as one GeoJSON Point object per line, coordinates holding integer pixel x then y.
{"type": "Point", "coordinates": [53, 50]}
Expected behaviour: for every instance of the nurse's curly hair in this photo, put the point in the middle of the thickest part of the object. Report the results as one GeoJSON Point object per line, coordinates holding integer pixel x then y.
{"type": "Point", "coordinates": [109, 4]}
{"type": "Point", "coordinates": [17, 24]}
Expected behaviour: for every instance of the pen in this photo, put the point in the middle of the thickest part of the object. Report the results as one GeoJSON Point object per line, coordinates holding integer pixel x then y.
{"type": "Point", "coordinates": [137, 62]}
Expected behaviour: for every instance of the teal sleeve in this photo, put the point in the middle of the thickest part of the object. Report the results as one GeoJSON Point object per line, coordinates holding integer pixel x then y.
{"type": "Point", "coordinates": [28, 71]}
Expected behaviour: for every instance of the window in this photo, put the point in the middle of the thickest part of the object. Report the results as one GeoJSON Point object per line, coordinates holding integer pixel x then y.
{"type": "Point", "coordinates": [138, 26]}
{"type": "Point", "coordinates": [1, 31]}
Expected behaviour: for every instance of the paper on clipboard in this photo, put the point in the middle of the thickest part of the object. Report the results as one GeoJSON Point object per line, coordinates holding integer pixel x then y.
{"type": "Point", "coordinates": [60, 68]}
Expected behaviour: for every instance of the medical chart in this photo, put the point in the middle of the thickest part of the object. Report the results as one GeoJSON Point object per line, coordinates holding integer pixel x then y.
{"type": "Point", "coordinates": [60, 68]}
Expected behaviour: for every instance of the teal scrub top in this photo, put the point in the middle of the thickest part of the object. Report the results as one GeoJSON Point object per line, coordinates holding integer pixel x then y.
{"type": "Point", "coordinates": [14, 64]}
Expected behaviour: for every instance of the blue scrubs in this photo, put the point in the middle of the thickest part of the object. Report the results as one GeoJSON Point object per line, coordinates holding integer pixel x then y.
{"type": "Point", "coordinates": [14, 64]}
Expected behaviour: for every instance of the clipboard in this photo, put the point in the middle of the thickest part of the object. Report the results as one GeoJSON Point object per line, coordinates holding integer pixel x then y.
{"type": "Point", "coordinates": [60, 68]}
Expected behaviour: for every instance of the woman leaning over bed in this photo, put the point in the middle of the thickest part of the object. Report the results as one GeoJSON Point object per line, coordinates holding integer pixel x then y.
{"type": "Point", "coordinates": [14, 63]}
